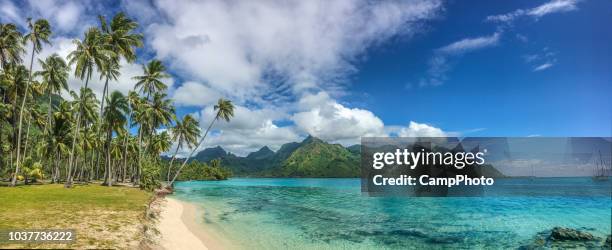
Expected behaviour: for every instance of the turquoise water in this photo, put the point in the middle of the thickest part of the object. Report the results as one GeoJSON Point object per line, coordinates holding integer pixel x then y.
{"type": "Point", "coordinates": [333, 214]}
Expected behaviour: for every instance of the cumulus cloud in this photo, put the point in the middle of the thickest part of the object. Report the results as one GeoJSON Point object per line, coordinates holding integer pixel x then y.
{"type": "Point", "coordinates": [415, 129]}
{"type": "Point", "coordinates": [439, 64]}
{"type": "Point", "coordinates": [195, 94]}
{"type": "Point", "coordinates": [244, 49]}
{"type": "Point", "coordinates": [329, 120]}
{"type": "Point", "coordinates": [249, 130]}
{"type": "Point", "coordinates": [554, 6]}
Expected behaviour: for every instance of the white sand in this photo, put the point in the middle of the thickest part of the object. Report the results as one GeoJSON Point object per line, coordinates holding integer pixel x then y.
{"type": "Point", "coordinates": [174, 232]}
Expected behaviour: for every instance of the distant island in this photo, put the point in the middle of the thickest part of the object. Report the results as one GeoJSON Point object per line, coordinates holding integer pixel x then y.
{"type": "Point", "coordinates": [312, 157]}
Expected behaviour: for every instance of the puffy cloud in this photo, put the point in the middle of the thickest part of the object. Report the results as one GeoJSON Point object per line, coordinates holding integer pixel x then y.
{"type": "Point", "coordinates": [237, 47]}
{"type": "Point", "coordinates": [249, 130]}
{"type": "Point", "coordinates": [331, 121]}
{"type": "Point", "coordinates": [554, 6]}
{"type": "Point", "coordinates": [415, 129]}
{"type": "Point", "coordinates": [64, 14]}
{"type": "Point", "coordinates": [195, 94]}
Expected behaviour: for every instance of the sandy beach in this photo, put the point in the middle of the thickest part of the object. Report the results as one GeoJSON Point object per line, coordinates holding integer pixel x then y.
{"type": "Point", "coordinates": [179, 228]}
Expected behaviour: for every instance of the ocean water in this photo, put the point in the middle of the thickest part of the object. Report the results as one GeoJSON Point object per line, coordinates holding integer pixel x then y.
{"type": "Point", "coordinates": [260, 213]}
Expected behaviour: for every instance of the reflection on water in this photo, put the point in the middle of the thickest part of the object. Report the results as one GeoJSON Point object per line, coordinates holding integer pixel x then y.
{"type": "Point", "coordinates": [332, 213]}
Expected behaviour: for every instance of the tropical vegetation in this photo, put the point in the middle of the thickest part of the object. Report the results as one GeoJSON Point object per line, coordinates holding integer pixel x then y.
{"type": "Point", "coordinates": [52, 133]}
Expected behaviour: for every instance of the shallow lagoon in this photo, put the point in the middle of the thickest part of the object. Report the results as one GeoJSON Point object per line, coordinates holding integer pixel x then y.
{"type": "Point", "coordinates": [292, 213]}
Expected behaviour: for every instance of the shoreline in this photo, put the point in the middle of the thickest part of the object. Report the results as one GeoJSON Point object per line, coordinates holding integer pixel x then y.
{"type": "Point", "coordinates": [180, 228]}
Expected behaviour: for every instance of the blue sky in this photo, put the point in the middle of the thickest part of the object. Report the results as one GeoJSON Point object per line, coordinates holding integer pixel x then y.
{"type": "Point", "coordinates": [346, 69]}
{"type": "Point", "coordinates": [495, 88]}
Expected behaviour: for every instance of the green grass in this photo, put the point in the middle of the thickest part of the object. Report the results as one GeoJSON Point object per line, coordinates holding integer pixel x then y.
{"type": "Point", "coordinates": [106, 216]}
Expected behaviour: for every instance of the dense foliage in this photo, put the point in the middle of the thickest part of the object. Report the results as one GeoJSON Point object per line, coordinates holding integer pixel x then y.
{"type": "Point", "coordinates": [196, 170]}
{"type": "Point", "coordinates": [46, 134]}
{"type": "Point", "coordinates": [309, 158]}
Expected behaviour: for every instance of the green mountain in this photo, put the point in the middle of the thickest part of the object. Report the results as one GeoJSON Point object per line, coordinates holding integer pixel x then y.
{"type": "Point", "coordinates": [312, 157]}
{"type": "Point", "coordinates": [316, 158]}
{"type": "Point", "coordinates": [309, 158]}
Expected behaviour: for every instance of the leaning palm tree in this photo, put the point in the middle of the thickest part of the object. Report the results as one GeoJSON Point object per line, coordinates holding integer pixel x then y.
{"type": "Point", "coordinates": [89, 54]}
{"type": "Point", "coordinates": [40, 31]}
{"type": "Point", "coordinates": [184, 132]}
{"type": "Point", "coordinates": [151, 82]}
{"type": "Point", "coordinates": [54, 74]}
{"type": "Point", "coordinates": [225, 111]}
{"type": "Point", "coordinates": [114, 118]}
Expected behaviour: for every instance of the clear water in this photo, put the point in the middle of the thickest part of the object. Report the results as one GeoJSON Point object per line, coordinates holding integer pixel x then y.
{"type": "Point", "coordinates": [333, 214]}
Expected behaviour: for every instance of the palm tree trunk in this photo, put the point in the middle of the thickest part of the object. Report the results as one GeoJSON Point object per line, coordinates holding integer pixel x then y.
{"type": "Point", "coordinates": [68, 183]}
{"type": "Point", "coordinates": [23, 102]}
{"type": "Point", "coordinates": [25, 147]}
{"type": "Point", "coordinates": [172, 160]}
{"type": "Point", "coordinates": [109, 173]}
{"type": "Point", "coordinates": [137, 179]}
{"type": "Point", "coordinates": [49, 110]}
{"type": "Point", "coordinates": [193, 151]}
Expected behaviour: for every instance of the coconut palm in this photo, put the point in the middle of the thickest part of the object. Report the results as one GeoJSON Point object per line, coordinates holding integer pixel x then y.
{"type": "Point", "coordinates": [151, 82]}
{"type": "Point", "coordinates": [119, 37]}
{"type": "Point", "coordinates": [54, 74]}
{"type": "Point", "coordinates": [225, 111]}
{"type": "Point", "coordinates": [90, 53]}
{"type": "Point", "coordinates": [10, 44]}
{"type": "Point", "coordinates": [114, 119]}
{"type": "Point", "coordinates": [184, 132]}
{"type": "Point", "coordinates": [160, 112]}
{"type": "Point", "coordinates": [86, 104]}
{"type": "Point", "coordinates": [40, 31]}
{"type": "Point", "coordinates": [160, 143]}
{"type": "Point", "coordinates": [13, 79]}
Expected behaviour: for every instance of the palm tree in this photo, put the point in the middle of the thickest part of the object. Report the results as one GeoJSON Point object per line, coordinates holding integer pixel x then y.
{"type": "Point", "coordinates": [90, 53]}
{"type": "Point", "coordinates": [184, 132]}
{"type": "Point", "coordinates": [114, 119]}
{"type": "Point", "coordinates": [60, 137]}
{"type": "Point", "coordinates": [10, 44]}
{"type": "Point", "coordinates": [225, 111]}
{"type": "Point", "coordinates": [119, 37]}
{"type": "Point", "coordinates": [40, 31]}
{"type": "Point", "coordinates": [150, 83]}
{"type": "Point", "coordinates": [55, 77]}
{"type": "Point", "coordinates": [14, 79]}
{"type": "Point", "coordinates": [160, 143]}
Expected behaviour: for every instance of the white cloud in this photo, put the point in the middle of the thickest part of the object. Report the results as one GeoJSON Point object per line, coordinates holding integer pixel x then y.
{"type": "Point", "coordinates": [331, 121]}
{"type": "Point", "coordinates": [10, 12]}
{"type": "Point", "coordinates": [554, 6]}
{"type": "Point", "coordinates": [543, 67]}
{"type": "Point", "coordinates": [244, 49]}
{"type": "Point", "coordinates": [541, 60]}
{"type": "Point", "coordinates": [415, 129]}
{"type": "Point", "coordinates": [195, 94]}
{"type": "Point", "coordinates": [470, 44]}
{"type": "Point", "coordinates": [249, 130]}
{"type": "Point", "coordinates": [439, 64]}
